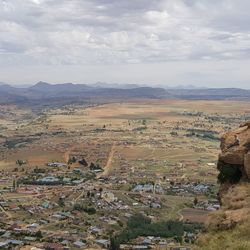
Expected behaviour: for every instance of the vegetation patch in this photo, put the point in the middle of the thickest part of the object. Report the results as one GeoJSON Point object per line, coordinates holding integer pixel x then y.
{"type": "Point", "coordinates": [139, 225]}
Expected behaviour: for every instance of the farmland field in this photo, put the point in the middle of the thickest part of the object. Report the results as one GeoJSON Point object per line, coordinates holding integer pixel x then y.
{"type": "Point", "coordinates": [147, 156]}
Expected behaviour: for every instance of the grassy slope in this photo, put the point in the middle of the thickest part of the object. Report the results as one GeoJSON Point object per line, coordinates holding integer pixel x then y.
{"type": "Point", "coordinates": [229, 228]}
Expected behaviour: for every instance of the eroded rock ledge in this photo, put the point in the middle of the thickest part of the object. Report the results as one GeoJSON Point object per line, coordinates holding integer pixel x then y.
{"type": "Point", "coordinates": [234, 159]}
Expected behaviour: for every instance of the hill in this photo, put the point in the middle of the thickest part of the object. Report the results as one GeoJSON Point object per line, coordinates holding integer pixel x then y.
{"type": "Point", "coordinates": [44, 93]}
{"type": "Point", "coordinates": [211, 93]}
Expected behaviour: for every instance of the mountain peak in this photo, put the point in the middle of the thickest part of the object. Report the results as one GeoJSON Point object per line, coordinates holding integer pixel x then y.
{"type": "Point", "coordinates": [41, 83]}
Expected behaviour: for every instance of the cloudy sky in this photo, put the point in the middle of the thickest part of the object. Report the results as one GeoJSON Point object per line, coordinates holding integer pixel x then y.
{"type": "Point", "coordinates": [171, 42]}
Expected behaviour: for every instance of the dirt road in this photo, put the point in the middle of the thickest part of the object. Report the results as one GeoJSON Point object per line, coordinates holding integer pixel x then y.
{"type": "Point", "coordinates": [109, 161]}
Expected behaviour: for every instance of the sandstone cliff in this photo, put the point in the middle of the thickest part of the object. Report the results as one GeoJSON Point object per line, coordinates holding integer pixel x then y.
{"type": "Point", "coordinates": [234, 159]}
{"type": "Point", "coordinates": [229, 227]}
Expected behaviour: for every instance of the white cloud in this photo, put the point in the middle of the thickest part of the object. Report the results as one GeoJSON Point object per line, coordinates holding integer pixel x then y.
{"type": "Point", "coordinates": [100, 32]}
{"type": "Point", "coordinates": [36, 1]}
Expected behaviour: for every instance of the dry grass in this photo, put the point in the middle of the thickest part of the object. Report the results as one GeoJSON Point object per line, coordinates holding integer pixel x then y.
{"type": "Point", "coordinates": [229, 228]}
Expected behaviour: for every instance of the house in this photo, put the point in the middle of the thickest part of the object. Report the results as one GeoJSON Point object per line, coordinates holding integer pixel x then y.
{"type": "Point", "coordinates": [216, 206]}
{"type": "Point", "coordinates": [14, 207]}
{"type": "Point", "coordinates": [2, 231]}
{"type": "Point", "coordinates": [53, 246]}
{"type": "Point", "coordinates": [43, 221]}
{"type": "Point", "coordinates": [79, 244]}
{"type": "Point", "coordinates": [148, 188]}
{"type": "Point", "coordinates": [201, 188]}
{"type": "Point", "coordinates": [6, 235]}
{"type": "Point", "coordinates": [14, 226]}
{"type": "Point", "coordinates": [147, 241]}
{"type": "Point", "coordinates": [95, 230]}
{"type": "Point", "coordinates": [77, 182]}
{"type": "Point", "coordinates": [29, 238]}
{"type": "Point", "coordinates": [57, 164]}
{"type": "Point", "coordinates": [58, 216]}
{"type": "Point", "coordinates": [103, 243]}
{"type": "Point", "coordinates": [33, 226]}
{"type": "Point", "coordinates": [211, 164]}
{"type": "Point", "coordinates": [30, 248]}
{"type": "Point", "coordinates": [45, 204]}
{"type": "Point", "coordinates": [155, 205]}
{"type": "Point", "coordinates": [67, 180]}
{"type": "Point", "coordinates": [3, 244]}
{"type": "Point", "coordinates": [15, 242]}
{"type": "Point", "coordinates": [49, 179]}
{"type": "Point", "coordinates": [162, 242]}
{"type": "Point", "coordinates": [140, 247]}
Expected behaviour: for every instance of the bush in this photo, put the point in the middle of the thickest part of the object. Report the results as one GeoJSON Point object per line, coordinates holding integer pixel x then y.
{"type": "Point", "coordinates": [86, 209]}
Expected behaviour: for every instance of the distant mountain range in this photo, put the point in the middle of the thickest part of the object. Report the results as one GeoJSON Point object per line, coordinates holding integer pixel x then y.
{"type": "Point", "coordinates": [44, 93]}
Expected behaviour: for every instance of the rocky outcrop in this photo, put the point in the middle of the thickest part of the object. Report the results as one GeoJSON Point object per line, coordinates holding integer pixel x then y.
{"type": "Point", "coordinates": [228, 228]}
{"type": "Point", "coordinates": [247, 163]}
{"type": "Point", "coordinates": [234, 159]}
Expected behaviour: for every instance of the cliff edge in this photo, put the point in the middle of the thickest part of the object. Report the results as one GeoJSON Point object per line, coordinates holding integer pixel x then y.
{"type": "Point", "coordinates": [229, 227]}
{"type": "Point", "coordinates": [234, 159]}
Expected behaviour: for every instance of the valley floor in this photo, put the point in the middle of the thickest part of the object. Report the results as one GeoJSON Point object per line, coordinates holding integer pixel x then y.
{"type": "Point", "coordinates": [76, 175]}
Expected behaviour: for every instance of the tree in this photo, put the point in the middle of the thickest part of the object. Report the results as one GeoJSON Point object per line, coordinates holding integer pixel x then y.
{"type": "Point", "coordinates": [39, 234]}
{"type": "Point", "coordinates": [20, 162]}
{"type": "Point", "coordinates": [114, 243]}
{"type": "Point", "coordinates": [61, 202]}
{"type": "Point", "coordinates": [101, 190]}
{"type": "Point", "coordinates": [83, 162]}
{"type": "Point", "coordinates": [195, 201]}
{"type": "Point", "coordinates": [14, 184]}
{"type": "Point", "coordinates": [72, 160]}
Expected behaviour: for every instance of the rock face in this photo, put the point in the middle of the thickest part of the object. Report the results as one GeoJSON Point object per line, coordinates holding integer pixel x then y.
{"type": "Point", "coordinates": [234, 159]}
{"type": "Point", "coordinates": [247, 164]}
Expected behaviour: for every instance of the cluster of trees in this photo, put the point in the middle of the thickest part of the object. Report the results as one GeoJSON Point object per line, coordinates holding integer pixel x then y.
{"type": "Point", "coordinates": [139, 225]}
{"type": "Point", "coordinates": [193, 113]}
{"type": "Point", "coordinates": [83, 162]}
{"type": "Point", "coordinates": [94, 166]}
{"type": "Point", "coordinates": [61, 202]}
{"type": "Point", "coordinates": [140, 129]}
{"type": "Point", "coordinates": [38, 170]}
{"type": "Point", "coordinates": [36, 182]}
{"type": "Point", "coordinates": [18, 142]}
{"type": "Point", "coordinates": [87, 209]}
{"type": "Point", "coordinates": [37, 234]}
{"type": "Point", "coordinates": [205, 135]}
{"type": "Point", "coordinates": [20, 162]}
{"type": "Point", "coordinates": [73, 159]}
{"type": "Point", "coordinates": [193, 227]}
{"type": "Point", "coordinates": [173, 133]}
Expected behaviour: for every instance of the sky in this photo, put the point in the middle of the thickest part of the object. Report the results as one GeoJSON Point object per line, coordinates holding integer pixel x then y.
{"type": "Point", "coordinates": [204, 43]}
